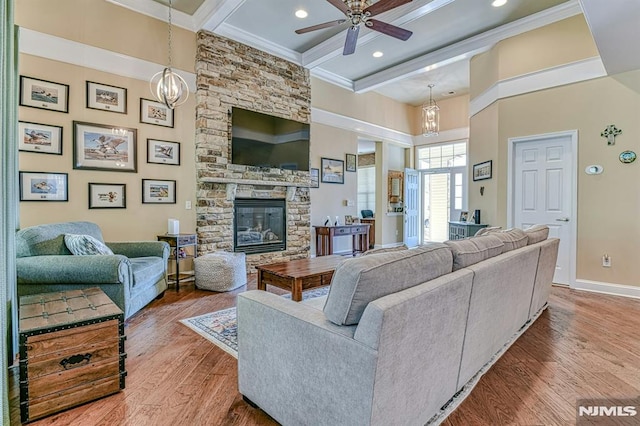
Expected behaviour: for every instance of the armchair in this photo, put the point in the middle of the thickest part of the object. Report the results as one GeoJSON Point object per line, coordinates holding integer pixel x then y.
{"type": "Point", "coordinates": [132, 277]}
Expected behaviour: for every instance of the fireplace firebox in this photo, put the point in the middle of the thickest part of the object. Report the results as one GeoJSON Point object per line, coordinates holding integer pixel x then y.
{"type": "Point", "coordinates": [259, 225]}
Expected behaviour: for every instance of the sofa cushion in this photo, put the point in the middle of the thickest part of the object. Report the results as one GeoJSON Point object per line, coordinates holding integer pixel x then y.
{"type": "Point", "coordinates": [537, 233]}
{"type": "Point", "coordinates": [385, 250]}
{"type": "Point", "coordinates": [512, 238]}
{"type": "Point", "coordinates": [85, 245]}
{"type": "Point", "coordinates": [487, 230]}
{"type": "Point", "coordinates": [147, 270]}
{"type": "Point", "coordinates": [473, 250]}
{"type": "Point", "coordinates": [358, 281]}
{"type": "Point", "coordinates": [48, 239]}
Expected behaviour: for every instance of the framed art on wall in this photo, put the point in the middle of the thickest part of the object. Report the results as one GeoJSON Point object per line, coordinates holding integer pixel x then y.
{"type": "Point", "coordinates": [314, 174]}
{"type": "Point", "coordinates": [482, 171]}
{"type": "Point", "coordinates": [332, 171]}
{"type": "Point", "coordinates": [40, 138]}
{"type": "Point", "coordinates": [155, 191]}
{"type": "Point", "coordinates": [351, 163]}
{"type": "Point", "coordinates": [102, 147]}
{"type": "Point", "coordinates": [106, 98]}
{"type": "Point", "coordinates": [44, 186]}
{"type": "Point", "coordinates": [153, 112]}
{"type": "Point", "coordinates": [43, 94]}
{"type": "Point", "coordinates": [163, 152]}
{"type": "Point", "coordinates": [107, 195]}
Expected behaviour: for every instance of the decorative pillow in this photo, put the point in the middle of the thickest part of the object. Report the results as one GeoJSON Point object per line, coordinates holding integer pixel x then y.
{"type": "Point", "coordinates": [385, 250]}
{"type": "Point", "coordinates": [470, 251]}
{"type": "Point", "coordinates": [360, 280]}
{"type": "Point", "coordinates": [85, 245]}
{"type": "Point", "coordinates": [512, 238]}
{"type": "Point", "coordinates": [487, 230]}
{"type": "Point", "coordinates": [537, 233]}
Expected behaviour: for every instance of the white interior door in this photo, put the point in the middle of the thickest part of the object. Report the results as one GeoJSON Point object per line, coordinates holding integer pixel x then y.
{"type": "Point", "coordinates": [411, 226]}
{"type": "Point", "coordinates": [543, 190]}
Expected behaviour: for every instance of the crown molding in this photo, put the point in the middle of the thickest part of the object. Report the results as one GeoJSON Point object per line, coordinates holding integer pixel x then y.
{"type": "Point", "coordinates": [158, 11]}
{"type": "Point", "coordinates": [333, 46]}
{"type": "Point", "coordinates": [332, 78]}
{"type": "Point", "coordinates": [465, 49]}
{"type": "Point", "coordinates": [211, 14]}
{"type": "Point", "coordinates": [259, 43]}
{"type": "Point", "coordinates": [62, 50]}
{"type": "Point", "coordinates": [575, 72]}
{"type": "Point", "coordinates": [320, 116]}
{"type": "Point", "coordinates": [451, 135]}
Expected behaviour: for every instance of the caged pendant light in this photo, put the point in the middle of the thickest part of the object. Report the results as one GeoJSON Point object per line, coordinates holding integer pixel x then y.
{"type": "Point", "coordinates": [430, 116]}
{"type": "Point", "coordinates": [168, 86]}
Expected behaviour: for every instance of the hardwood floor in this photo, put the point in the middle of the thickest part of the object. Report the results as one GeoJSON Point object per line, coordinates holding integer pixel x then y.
{"type": "Point", "coordinates": [584, 346]}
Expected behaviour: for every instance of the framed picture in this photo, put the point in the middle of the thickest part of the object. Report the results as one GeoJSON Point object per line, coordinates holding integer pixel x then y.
{"type": "Point", "coordinates": [314, 174]}
{"type": "Point", "coordinates": [351, 163]}
{"type": "Point", "coordinates": [106, 98]}
{"type": "Point", "coordinates": [153, 112]}
{"type": "Point", "coordinates": [107, 195]}
{"type": "Point", "coordinates": [36, 93]}
{"type": "Point", "coordinates": [43, 186]}
{"type": "Point", "coordinates": [40, 138]}
{"type": "Point", "coordinates": [332, 170]}
{"type": "Point", "coordinates": [464, 216]}
{"type": "Point", "coordinates": [348, 219]}
{"type": "Point", "coordinates": [158, 191]}
{"type": "Point", "coordinates": [482, 171]}
{"type": "Point", "coordinates": [102, 147]}
{"type": "Point", "coordinates": [163, 152]}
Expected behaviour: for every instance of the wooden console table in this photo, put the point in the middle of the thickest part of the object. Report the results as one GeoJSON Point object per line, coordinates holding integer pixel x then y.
{"type": "Point", "coordinates": [325, 234]}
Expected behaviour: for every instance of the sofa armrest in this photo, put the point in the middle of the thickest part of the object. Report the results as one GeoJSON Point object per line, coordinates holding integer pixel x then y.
{"type": "Point", "coordinates": [299, 367]}
{"type": "Point", "coordinates": [141, 248]}
{"type": "Point", "coordinates": [99, 269]}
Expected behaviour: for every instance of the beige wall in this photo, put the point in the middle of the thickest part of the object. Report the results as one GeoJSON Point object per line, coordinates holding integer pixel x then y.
{"type": "Point", "coordinates": [607, 202]}
{"type": "Point", "coordinates": [130, 36]}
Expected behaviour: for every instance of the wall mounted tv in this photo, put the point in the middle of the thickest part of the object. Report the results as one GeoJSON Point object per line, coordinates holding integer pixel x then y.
{"type": "Point", "coordinates": [266, 141]}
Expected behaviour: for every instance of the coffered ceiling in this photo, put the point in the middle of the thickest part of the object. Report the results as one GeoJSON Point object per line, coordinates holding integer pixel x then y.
{"type": "Point", "coordinates": [446, 34]}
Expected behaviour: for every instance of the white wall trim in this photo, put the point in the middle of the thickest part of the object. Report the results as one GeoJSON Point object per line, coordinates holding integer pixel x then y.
{"type": "Point", "coordinates": [561, 75]}
{"type": "Point", "coordinates": [259, 43]}
{"type": "Point", "coordinates": [461, 133]}
{"type": "Point", "coordinates": [59, 49]}
{"type": "Point", "coordinates": [361, 127]}
{"type": "Point", "coordinates": [573, 220]}
{"type": "Point", "coordinates": [607, 288]}
{"type": "Point", "coordinates": [213, 13]}
{"type": "Point", "coordinates": [158, 11]}
{"type": "Point", "coordinates": [332, 78]}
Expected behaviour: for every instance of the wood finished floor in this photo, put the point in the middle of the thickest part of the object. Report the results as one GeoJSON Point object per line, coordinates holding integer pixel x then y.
{"type": "Point", "coordinates": [584, 346]}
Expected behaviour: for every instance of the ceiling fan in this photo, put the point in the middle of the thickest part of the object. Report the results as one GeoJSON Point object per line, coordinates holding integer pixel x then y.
{"type": "Point", "coordinates": [358, 13]}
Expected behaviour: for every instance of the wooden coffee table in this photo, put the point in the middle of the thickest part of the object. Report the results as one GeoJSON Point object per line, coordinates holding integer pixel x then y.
{"type": "Point", "coordinates": [298, 275]}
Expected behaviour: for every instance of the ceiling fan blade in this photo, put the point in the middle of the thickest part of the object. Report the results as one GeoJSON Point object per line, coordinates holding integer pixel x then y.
{"type": "Point", "coordinates": [390, 30]}
{"type": "Point", "coordinates": [321, 26]}
{"type": "Point", "coordinates": [384, 5]}
{"type": "Point", "coordinates": [340, 5]}
{"type": "Point", "coordinates": [350, 42]}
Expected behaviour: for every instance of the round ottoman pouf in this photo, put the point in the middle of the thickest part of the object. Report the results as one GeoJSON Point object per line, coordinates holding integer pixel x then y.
{"type": "Point", "coordinates": [220, 271]}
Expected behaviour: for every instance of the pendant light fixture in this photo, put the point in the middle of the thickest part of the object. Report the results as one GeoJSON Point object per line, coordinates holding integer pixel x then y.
{"type": "Point", "coordinates": [167, 86]}
{"type": "Point", "coordinates": [430, 116]}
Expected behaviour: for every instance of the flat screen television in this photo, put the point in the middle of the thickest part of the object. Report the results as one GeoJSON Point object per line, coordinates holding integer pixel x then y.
{"type": "Point", "coordinates": [263, 140]}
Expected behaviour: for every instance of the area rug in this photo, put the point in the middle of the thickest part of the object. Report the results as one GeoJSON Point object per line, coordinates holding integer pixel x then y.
{"type": "Point", "coordinates": [221, 327]}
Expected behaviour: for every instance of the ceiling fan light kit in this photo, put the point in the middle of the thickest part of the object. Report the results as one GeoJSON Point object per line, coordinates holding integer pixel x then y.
{"type": "Point", "coordinates": [430, 116]}
{"type": "Point", "coordinates": [358, 13]}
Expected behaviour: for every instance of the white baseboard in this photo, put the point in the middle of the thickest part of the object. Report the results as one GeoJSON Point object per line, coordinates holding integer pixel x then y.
{"type": "Point", "coordinates": [607, 288]}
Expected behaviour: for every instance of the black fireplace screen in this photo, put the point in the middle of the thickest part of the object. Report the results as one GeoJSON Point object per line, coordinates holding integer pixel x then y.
{"type": "Point", "coordinates": [259, 225]}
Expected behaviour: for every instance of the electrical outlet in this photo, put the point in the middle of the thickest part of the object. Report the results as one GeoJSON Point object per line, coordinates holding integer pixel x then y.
{"type": "Point", "coordinates": [187, 205]}
{"type": "Point", "coordinates": [606, 261]}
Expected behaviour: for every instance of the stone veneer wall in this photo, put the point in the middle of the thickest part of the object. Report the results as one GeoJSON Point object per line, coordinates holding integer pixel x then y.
{"type": "Point", "coordinates": [232, 74]}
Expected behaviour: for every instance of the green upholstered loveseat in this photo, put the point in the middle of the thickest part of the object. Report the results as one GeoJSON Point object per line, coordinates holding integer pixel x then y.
{"type": "Point", "coordinates": [132, 277]}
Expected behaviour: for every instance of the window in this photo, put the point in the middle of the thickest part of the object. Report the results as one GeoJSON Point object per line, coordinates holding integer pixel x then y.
{"type": "Point", "coordinates": [367, 188]}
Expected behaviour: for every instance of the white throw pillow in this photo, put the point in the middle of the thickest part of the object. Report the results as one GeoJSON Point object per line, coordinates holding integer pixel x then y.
{"type": "Point", "coordinates": [85, 245]}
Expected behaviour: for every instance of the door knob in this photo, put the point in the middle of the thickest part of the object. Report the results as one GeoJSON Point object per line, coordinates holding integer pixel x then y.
{"type": "Point", "coordinates": [563, 219]}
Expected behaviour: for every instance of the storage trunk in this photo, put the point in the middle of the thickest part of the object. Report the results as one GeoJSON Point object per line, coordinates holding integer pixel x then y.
{"type": "Point", "coordinates": [71, 350]}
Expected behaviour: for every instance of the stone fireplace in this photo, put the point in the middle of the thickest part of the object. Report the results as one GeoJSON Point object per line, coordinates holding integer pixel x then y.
{"type": "Point", "coordinates": [232, 74]}
{"type": "Point", "coordinates": [260, 226]}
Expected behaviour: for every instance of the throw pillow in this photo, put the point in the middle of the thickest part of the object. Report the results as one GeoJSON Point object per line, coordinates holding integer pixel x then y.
{"type": "Point", "coordinates": [85, 245]}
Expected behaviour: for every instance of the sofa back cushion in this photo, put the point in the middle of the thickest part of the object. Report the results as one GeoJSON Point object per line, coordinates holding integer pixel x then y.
{"type": "Point", "coordinates": [537, 233]}
{"type": "Point", "coordinates": [473, 250]}
{"type": "Point", "coordinates": [512, 238]}
{"type": "Point", "coordinates": [358, 281]}
{"type": "Point", "coordinates": [45, 240]}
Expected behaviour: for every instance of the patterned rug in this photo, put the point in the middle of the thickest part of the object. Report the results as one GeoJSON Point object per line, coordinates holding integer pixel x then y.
{"type": "Point", "coordinates": [221, 327]}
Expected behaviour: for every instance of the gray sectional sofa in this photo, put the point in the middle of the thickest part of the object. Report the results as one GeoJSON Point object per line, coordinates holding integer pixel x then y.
{"type": "Point", "coordinates": [399, 334]}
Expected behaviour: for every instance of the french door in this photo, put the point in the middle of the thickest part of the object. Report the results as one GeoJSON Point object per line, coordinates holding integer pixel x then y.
{"type": "Point", "coordinates": [444, 195]}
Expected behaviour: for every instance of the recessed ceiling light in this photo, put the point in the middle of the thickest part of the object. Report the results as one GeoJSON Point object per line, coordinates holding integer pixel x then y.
{"type": "Point", "coordinates": [300, 13]}
{"type": "Point", "coordinates": [377, 54]}
{"type": "Point", "coordinates": [498, 3]}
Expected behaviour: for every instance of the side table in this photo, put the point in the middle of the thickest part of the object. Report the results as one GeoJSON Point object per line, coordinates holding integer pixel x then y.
{"type": "Point", "coordinates": [460, 230]}
{"type": "Point", "coordinates": [183, 246]}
